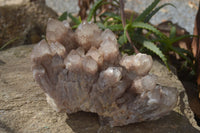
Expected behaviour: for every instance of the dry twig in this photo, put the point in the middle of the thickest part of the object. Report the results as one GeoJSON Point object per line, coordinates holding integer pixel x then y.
{"type": "Point", "coordinates": [124, 24]}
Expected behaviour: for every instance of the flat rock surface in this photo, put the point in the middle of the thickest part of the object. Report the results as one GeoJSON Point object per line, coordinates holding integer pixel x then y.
{"type": "Point", "coordinates": [23, 106]}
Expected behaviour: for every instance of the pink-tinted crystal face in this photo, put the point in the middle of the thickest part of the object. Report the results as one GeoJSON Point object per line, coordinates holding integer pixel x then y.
{"type": "Point", "coordinates": [87, 35]}
{"type": "Point", "coordinates": [95, 54]}
{"type": "Point", "coordinates": [140, 63]}
{"type": "Point", "coordinates": [84, 71]}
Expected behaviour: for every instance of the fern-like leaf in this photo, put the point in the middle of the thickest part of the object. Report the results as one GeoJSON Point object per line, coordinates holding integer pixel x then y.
{"type": "Point", "coordinates": [148, 27]}
{"type": "Point", "coordinates": [151, 46]}
{"type": "Point", "coordinates": [116, 27]}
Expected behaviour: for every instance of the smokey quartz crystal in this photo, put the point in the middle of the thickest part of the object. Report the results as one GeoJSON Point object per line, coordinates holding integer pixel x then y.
{"type": "Point", "coordinates": [83, 70]}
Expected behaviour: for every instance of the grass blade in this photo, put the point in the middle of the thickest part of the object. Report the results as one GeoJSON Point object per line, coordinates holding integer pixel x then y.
{"type": "Point", "coordinates": [9, 42]}
{"type": "Point", "coordinates": [93, 9]}
{"type": "Point", "coordinates": [172, 32]}
{"type": "Point", "coordinates": [150, 15]}
{"type": "Point", "coordinates": [143, 15]}
{"type": "Point", "coordinates": [125, 29]}
{"type": "Point", "coordinates": [176, 39]}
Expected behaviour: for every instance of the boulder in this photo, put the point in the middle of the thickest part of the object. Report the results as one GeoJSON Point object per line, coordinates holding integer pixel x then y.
{"type": "Point", "coordinates": [23, 23]}
{"type": "Point", "coordinates": [23, 106]}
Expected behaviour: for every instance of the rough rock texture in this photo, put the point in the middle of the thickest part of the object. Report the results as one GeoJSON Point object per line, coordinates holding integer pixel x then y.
{"type": "Point", "coordinates": [23, 107]}
{"type": "Point", "coordinates": [12, 2]}
{"type": "Point", "coordinates": [84, 71]}
{"type": "Point", "coordinates": [25, 24]}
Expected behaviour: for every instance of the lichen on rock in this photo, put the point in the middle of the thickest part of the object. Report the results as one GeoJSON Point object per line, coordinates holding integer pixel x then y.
{"type": "Point", "coordinates": [84, 71]}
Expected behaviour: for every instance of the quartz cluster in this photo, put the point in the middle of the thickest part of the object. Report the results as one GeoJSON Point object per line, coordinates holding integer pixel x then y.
{"type": "Point", "coordinates": [83, 70]}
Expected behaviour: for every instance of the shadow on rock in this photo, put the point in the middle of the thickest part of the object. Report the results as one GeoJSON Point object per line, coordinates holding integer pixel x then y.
{"type": "Point", "coordinates": [83, 122]}
{"type": "Point", "coordinates": [5, 128]}
{"type": "Point", "coordinates": [194, 101]}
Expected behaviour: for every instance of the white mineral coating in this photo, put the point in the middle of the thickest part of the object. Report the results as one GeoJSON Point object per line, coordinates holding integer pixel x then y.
{"type": "Point", "coordinates": [84, 71]}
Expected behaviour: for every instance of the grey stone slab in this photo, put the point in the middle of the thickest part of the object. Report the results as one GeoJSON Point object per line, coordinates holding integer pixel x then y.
{"type": "Point", "coordinates": [23, 107]}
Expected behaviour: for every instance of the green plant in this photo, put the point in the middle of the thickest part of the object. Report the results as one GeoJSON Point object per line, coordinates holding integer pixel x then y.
{"type": "Point", "coordinates": [166, 45]}
{"type": "Point", "coordinates": [130, 32]}
{"type": "Point", "coordinates": [75, 20]}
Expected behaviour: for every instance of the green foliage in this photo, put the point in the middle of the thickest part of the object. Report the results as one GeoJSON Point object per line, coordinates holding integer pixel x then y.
{"type": "Point", "coordinates": [167, 45]}
{"type": "Point", "coordinates": [150, 15]}
{"type": "Point", "coordinates": [151, 46]}
{"type": "Point", "coordinates": [76, 21]}
{"type": "Point", "coordinates": [63, 16]}
{"type": "Point", "coordinates": [95, 7]}
{"type": "Point", "coordinates": [111, 15]}
{"type": "Point", "coordinates": [92, 12]}
{"type": "Point", "coordinates": [152, 39]}
{"type": "Point", "coordinates": [116, 27]}
{"type": "Point", "coordinates": [148, 27]}
{"type": "Point", "coordinates": [147, 11]}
